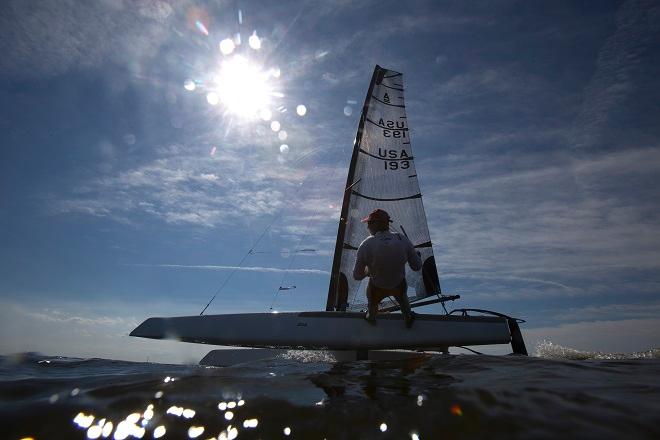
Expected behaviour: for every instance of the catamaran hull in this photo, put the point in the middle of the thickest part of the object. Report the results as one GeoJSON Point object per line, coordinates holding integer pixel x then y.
{"type": "Point", "coordinates": [328, 330]}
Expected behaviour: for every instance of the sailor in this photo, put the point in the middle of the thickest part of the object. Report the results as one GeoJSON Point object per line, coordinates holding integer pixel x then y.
{"type": "Point", "coordinates": [382, 257]}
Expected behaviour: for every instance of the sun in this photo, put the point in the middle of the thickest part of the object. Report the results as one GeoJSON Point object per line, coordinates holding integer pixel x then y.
{"type": "Point", "coordinates": [242, 87]}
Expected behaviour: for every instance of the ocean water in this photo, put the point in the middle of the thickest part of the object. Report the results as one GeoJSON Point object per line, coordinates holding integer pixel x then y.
{"type": "Point", "coordinates": [557, 393]}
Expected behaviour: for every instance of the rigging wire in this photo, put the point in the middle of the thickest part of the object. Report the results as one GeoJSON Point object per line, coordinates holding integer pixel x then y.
{"type": "Point", "coordinates": [281, 286]}
{"type": "Point", "coordinates": [254, 245]}
{"type": "Point", "coordinates": [300, 242]}
{"type": "Point", "coordinates": [231, 274]}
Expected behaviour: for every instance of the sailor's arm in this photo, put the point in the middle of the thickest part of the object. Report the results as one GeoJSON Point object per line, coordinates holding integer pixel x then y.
{"type": "Point", "coordinates": [360, 270]}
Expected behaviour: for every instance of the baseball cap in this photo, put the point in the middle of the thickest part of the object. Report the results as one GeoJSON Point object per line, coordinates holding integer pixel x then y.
{"type": "Point", "coordinates": [377, 215]}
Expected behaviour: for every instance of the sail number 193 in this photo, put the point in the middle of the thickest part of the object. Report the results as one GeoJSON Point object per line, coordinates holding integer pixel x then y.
{"type": "Point", "coordinates": [396, 165]}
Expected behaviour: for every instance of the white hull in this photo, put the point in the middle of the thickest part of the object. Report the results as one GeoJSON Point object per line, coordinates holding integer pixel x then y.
{"type": "Point", "coordinates": [328, 330]}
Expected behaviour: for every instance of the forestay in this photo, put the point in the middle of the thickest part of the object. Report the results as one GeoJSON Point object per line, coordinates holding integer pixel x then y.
{"type": "Point", "coordinates": [381, 175]}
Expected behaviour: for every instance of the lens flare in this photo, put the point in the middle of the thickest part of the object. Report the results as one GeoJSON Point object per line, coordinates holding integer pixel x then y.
{"type": "Point", "coordinates": [227, 46]}
{"type": "Point", "coordinates": [242, 87]}
{"type": "Point", "coordinates": [212, 98]}
{"type": "Point", "coordinates": [254, 41]}
{"type": "Point", "coordinates": [200, 27]}
{"type": "Point", "coordinates": [301, 110]}
{"type": "Point", "coordinates": [189, 85]}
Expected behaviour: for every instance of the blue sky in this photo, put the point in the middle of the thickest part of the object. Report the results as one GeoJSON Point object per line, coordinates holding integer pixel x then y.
{"type": "Point", "coordinates": [125, 195]}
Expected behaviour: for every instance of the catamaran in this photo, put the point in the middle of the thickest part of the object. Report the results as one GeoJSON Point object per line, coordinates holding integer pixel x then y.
{"type": "Point", "coordinates": [381, 175]}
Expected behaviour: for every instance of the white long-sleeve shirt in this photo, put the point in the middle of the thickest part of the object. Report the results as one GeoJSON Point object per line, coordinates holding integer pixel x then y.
{"type": "Point", "coordinates": [386, 255]}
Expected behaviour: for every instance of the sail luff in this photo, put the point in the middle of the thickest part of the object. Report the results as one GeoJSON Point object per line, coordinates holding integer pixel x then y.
{"type": "Point", "coordinates": [333, 298]}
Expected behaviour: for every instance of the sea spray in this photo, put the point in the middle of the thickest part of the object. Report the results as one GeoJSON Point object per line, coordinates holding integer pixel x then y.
{"type": "Point", "coordinates": [548, 350]}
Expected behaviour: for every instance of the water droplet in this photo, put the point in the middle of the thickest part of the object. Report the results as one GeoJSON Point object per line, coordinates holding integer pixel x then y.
{"type": "Point", "coordinates": [275, 126]}
{"type": "Point", "coordinates": [284, 148]}
{"type": "Point", "coordinates": [348, 110]}
{"type": "Point", "coordinates": [301, 110]}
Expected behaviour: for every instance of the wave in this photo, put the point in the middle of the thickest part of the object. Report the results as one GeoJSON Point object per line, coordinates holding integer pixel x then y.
{"type": "Point", "coordinates": [548, 350]}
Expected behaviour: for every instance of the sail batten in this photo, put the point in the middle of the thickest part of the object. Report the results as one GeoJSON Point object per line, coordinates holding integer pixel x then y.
{"type": "Point", "coordinates": [381, 175]}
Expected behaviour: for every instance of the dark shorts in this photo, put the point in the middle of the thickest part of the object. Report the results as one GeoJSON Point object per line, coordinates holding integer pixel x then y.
{"type": "Point", "coordinates": [377, 294]}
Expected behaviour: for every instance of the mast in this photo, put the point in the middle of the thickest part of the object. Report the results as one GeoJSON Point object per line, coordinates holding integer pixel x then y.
{"type": "Point", "coordinates": [333, 298]}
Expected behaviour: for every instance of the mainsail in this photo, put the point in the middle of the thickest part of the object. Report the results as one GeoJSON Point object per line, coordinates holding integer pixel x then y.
{"type": "Point", "coordinates": [381, 175]}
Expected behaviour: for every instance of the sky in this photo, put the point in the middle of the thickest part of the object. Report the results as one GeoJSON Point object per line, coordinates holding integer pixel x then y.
{"type": "Point", "coordinates": [134, 183]}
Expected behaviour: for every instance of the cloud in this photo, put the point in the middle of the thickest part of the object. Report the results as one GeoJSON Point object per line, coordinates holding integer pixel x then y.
{"type": "Point", "coordinates": [237, 268]}
{"type": "Point", "coordinates": [621, 73]}
{"type": "Point", "coordinates": [52, 37]}
{"type": "Point", "coordinates": [503, 277]}
{"type": "Point", "coordinates": [98, 330]}
{"type": "Point", "coordinates": [531, 223]}
{"type": "Point", "coordinates": [601, 312]}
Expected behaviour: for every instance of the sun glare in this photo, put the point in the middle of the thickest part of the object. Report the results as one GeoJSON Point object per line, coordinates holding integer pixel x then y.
{"type": "Point", "coordinates": [242, 87]}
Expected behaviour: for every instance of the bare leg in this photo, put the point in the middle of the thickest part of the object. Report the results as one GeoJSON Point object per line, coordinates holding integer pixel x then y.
{"type": "Point", "coordinates": [373, 306]}
{"type": "Point", "coordinates": [405, 309]}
